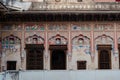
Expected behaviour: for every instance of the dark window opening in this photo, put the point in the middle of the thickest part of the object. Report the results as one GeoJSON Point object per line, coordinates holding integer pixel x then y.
{"type": "Point", "coordinates": [81, 65]}
{"type": "Point", "coordinates": [34, 59]}
{"type": "Point", "coordinates": [11, 65]}
{"type": "Point", "coordinates": [58, 60]}
{"type": "Point", "coordinates": [104, 59]}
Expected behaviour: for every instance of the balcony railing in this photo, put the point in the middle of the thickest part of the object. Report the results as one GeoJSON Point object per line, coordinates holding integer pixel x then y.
{"type": "Point", "coordinates": [61, 75]}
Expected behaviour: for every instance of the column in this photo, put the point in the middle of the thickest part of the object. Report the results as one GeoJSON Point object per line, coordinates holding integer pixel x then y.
{"type": "Point", "coordinates": [46, 48]}
{"type": "Point", "coordinates": [69, 48]}
{"type": "Point", "coordinates": [92, 43]}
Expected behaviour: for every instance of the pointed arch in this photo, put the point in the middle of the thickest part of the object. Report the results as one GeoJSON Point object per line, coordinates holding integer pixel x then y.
{"type": "Point", "coordinates": [58, 39]}
{"type": "Point", "coordinates": [80, 40]}
{"type": "Point", "coordinates": [104, 35]}
{"type": "Point", "coordinates": [10, 43]}
{"type": "Point", "coordinates": [11, 39]}
{"type": "Point", "coordinates": [104, 40]}
{"type": "Point", "coordinates": [34, 39]}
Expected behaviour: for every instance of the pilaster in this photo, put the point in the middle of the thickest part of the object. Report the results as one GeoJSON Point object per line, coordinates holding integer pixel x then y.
{"type": "Point", "coordinates": [69, 48]}
{"type": "Point", "coordinates": [115, 54]}
{"type": "Point", "coordinates": [92, 43]}
{"type": "Point", "coordinates": [46, 55]}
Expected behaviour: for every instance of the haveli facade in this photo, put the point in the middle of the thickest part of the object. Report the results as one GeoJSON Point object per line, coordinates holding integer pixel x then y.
{"type": "Point", "coordinates": [70, 36]}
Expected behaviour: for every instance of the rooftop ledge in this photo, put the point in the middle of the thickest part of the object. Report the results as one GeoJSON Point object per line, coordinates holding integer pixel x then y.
{"type": "Point", "coordinates": [40, 6]}
{"type": "Point", "coordinates": [77, 7]}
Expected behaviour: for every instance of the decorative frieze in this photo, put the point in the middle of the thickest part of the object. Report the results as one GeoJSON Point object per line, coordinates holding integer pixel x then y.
{"type": "Point", "coordinates": [34, 27]}
{"type": "Point", "coordinates": [80, 27]}
{"type": "Point", "coordinates": [57, 27]}
{"type": "Point", "coordinates": [101, 27]}
{"type": "Point", "coordinates": [14, 27]}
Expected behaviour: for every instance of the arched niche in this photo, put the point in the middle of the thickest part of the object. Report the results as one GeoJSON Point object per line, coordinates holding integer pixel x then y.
{"type": "Point", "coordinates": [11, 43]}
{"type": "Point", "coordinates": [34, 39]}
{"type": "Point", "coordinates": [81, 42]}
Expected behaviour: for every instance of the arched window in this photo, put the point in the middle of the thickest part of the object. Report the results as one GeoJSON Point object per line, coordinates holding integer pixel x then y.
{"type": "Point", "coordinates": [57, 40]}
{"type": "Point", "coordinates": [34, 39]}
